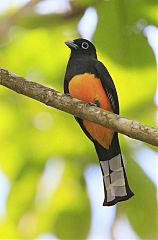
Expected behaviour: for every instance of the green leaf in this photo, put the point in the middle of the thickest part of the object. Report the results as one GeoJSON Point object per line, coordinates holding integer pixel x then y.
{"type": "Point", "coordinates": [126, 53]}
{"type": "Point", "coordinates": [142, 208]}
{"type": "Point", "coordinates": [120, 32]}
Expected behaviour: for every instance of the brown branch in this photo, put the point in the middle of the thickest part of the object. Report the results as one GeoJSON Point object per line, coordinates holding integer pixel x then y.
{"type": "Point", "coordinates": [78, 108]}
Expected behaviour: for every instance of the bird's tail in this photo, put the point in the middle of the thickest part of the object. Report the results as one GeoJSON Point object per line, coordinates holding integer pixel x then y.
{"type": "Point", "coordinates": [116, 186]}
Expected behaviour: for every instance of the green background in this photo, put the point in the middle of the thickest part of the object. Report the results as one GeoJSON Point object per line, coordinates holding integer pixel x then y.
{"type": "Point", "coordinates": [35, 139]}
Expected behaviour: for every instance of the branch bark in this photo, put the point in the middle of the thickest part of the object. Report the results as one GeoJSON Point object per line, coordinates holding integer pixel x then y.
{"type": "Point", "coordinates": [52, 98]}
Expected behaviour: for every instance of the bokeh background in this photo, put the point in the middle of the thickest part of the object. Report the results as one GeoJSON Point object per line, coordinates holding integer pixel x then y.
{"type": "Point", "coordinates": [50, 180]}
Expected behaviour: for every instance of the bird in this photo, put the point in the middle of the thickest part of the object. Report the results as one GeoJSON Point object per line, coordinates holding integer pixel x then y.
{"type": "Point", "coordinates": [87, 79]}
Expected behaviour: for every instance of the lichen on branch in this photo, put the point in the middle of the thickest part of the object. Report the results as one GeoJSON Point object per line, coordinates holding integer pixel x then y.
{"type": "Point", "coordinates": [83, 110]}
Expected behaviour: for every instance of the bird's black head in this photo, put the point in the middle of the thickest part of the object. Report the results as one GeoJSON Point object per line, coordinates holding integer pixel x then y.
{"type": "Point", "coordinates": [81, 47]}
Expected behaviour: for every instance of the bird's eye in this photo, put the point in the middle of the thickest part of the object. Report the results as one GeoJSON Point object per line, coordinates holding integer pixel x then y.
{"type": "Point", "coordinates": [85, 45]}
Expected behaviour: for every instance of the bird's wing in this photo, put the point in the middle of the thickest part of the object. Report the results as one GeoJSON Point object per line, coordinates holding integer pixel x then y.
{"type": "Point", "coordinates": [108, 85]}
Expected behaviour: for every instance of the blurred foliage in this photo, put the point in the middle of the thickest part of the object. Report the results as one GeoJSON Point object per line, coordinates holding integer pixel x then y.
{"type": "Point", "coordinates": [35, 138]}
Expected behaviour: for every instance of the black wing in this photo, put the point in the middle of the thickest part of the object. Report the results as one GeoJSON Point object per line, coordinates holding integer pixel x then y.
{"type": "Point", "coordinates": [108, 85]}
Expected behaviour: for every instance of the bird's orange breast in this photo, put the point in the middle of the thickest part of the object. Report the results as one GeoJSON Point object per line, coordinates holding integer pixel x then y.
{"type": "Point", "coordinates": [88, 88]}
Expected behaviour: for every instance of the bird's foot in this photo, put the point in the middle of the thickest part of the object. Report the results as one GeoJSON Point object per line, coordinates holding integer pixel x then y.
{"type": "Point", "coordinates": [67, 94]}
{"type": "Point", "coordinates": [97, 103]}
{"type": "Point", "coordinates": [94, 104]}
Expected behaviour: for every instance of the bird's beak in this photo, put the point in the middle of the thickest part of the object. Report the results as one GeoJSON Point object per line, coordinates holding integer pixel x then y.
{"type": "Point", "coordinates": [71, 44]}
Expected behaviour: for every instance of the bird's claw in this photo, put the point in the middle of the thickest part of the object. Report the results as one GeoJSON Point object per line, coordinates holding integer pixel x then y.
{"type": "Point", "coordinates": [94, 104]}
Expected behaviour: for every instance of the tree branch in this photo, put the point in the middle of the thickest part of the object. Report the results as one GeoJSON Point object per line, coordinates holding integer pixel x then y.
{"type": "Point", "coordinates": [78, 108]}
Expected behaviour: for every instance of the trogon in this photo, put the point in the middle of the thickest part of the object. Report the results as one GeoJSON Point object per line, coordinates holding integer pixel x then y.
{"type": "Point", "coordinates": [88, 79]}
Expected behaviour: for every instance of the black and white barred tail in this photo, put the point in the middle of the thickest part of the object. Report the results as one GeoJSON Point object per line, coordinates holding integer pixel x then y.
{"type": "Point", "coordinates": [116, 186]}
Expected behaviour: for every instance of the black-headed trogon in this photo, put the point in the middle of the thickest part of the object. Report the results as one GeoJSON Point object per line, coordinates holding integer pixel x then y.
{"type": "Point", "coordinates": [87, 79]}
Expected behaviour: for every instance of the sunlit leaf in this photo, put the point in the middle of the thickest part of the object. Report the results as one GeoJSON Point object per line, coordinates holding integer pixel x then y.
{"type": "Point", "coordinates": [142, 208]}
